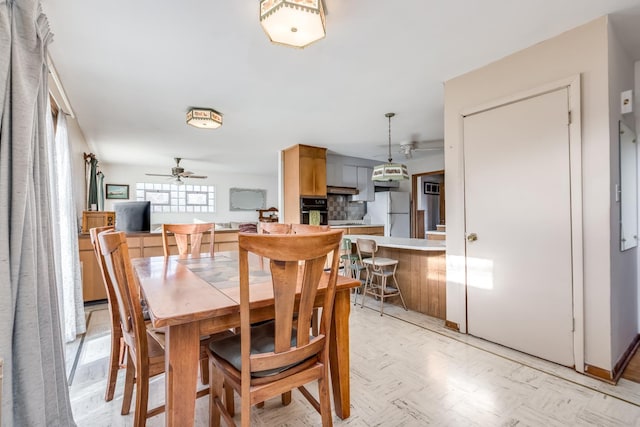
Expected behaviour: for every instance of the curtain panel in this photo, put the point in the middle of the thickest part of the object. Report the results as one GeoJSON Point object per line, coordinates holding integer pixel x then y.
{"type": "Point", "coordinates": [35, 389]}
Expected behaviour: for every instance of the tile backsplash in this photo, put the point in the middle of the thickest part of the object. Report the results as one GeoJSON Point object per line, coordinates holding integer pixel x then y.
{"type": "Point", "coordinates": [341, 208]}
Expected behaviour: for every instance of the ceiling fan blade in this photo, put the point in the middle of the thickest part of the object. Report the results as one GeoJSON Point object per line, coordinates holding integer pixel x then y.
{"type": "Point", "coordinates": [158, 174]}
{"type": "Point", "coordinates": [195, 176]}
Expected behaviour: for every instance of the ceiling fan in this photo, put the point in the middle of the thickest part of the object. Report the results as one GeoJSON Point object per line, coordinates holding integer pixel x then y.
{"type": "Point", "coordinates": [409, 147]}
{"type": "Point", "coordinates": [178, 173]}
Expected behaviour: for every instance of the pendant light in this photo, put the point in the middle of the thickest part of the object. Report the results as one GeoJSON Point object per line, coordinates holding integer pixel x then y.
{"type": "Point", "coordinates": [390, 171]}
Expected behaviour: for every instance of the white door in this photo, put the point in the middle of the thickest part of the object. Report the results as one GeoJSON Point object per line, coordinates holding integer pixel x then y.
{"type": "Point", "coordinates": [517, 205]}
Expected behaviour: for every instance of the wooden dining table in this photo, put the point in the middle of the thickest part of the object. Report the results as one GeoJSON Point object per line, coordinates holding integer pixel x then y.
{"type": "Point", "coordinates": [194, 296]}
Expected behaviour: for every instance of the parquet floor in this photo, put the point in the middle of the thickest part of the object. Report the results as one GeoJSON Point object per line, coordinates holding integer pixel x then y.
{"type": "Point", "coordinates": [406, 370]}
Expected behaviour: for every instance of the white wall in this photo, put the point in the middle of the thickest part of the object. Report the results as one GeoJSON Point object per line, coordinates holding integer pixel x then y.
{"type": "Point", "coordinates": [624, 280]}
{"type": "Point", "coordinates": [636, 107]}
{"type": "Point", "coordinates": [124, 174]}
{"type": "Point", "coordinates": [583, 51]}
{"type": "Point", "coordinates": [430, 163]}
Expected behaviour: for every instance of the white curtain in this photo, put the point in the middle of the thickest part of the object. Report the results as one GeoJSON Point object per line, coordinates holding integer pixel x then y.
{"type": "Point", "coordinates": [34, 388]}
{"type": "Point", "coordinates": [65, 232]}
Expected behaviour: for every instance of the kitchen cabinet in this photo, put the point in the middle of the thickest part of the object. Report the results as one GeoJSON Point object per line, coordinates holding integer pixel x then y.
{"type": "Point", "coordinates": [366, 190]}
{"type": "Point", "coordinates": [375, 230]}
{"type": "Point", "coordinates": [349, 176]}
{"type": "Point", "coordinates": [304, 175]}
{"type": "Point", "coordinates": [334, 175]}
{"type": "Point", "coordinates": [140, 245]}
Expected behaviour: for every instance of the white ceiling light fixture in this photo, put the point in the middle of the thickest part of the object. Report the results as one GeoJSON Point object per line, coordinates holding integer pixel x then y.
{"type": "Point", "coordinates": [204, 118]}
{"type": "Point", "coordinates": [296, 23]}
{"type": "Point", "coordinates": [390, 171]}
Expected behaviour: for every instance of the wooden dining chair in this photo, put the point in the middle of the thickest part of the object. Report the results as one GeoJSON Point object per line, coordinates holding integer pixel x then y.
{"type": "Point", "coordinates": [188, 237]}
{"type": "Point", "coordinates": [273, 228]}
{"type": "Point", "coordinates": [116, 355]}
{"type": "Point", "coordinates": [145, 355]}
{"type": "Point", "coordinates": [272, 358]}
{"type": "Point", "coordinates": [306, 228]}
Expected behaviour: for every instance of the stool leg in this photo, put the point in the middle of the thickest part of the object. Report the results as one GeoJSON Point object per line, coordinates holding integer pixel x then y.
{"type": "Point", "coordinates": [399, 291]}
{"type": "Point", "coordinates": [383, 286]}
{"type": "Point", "coordinates": [366, 285]}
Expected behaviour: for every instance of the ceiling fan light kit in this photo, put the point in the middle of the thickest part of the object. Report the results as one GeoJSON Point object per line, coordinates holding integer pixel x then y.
{"type": "Point", "coordinates": [390, 171]}
{"type": "Point", "coordinates": [204, 118]}
{"type": "Point", "coordinates": [295, 23]}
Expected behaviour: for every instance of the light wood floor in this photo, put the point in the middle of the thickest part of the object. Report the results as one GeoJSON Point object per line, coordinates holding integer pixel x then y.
{"type": "Point", "coordinates": [406, 370]}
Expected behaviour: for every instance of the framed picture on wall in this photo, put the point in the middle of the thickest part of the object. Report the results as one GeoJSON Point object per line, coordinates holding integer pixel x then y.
{"type": "Point", "coordinates": [117, 191]}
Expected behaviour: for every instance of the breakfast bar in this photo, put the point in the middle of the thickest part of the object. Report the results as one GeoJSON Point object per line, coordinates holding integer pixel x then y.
{"type": "Point", "coordinates": [421, 271]}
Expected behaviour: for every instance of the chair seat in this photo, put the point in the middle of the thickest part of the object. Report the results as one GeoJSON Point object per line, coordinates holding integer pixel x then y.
{"type": "Point", "coordinates": [381, 262]}
{"type": "Point", "coordinates": [262, 341]}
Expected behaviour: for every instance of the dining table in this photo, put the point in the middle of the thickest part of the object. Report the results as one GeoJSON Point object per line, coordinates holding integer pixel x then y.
{"type": "Point", "coordinates": [192, 296]}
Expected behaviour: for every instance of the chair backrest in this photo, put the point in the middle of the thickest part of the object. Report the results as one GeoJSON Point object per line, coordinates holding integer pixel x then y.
{"type": "Point", "coordinates": [273, 228]}
{"type": "Point", "coordinates": [112, 301]}
{"type": "Point", "coordinates": [188, 237]}
{"type": "Point", "coordinates": [288, 276]}
{"type": "Point", "coordinates": [306, 228]}
{"type": "Point", "coordinates": [367, 248]}
{"type": "Point", "coordinates": [115, 251]}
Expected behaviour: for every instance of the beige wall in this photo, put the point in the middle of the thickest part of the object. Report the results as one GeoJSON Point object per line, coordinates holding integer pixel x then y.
{"type": "Point", "coordinates": [583, 51]}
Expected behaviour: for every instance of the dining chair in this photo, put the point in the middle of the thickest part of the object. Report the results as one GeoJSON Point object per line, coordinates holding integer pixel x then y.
{"type": "Point", "coordinates": [145, 355]}
{"type": "Point", "coordinates": [188, 237]}
{"type": "Point", "coordinates": [116, 355]}
{"type": "Point", "coordinates": [307, 228]}
{"type": "Point", "coordinates": [380, 269]}
{"type": "Point", "coordinates": [273, 228]}
{"type": "Point", "coordinates": [270, 359]}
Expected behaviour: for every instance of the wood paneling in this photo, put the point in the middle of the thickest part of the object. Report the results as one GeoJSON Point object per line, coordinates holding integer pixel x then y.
{"type": "Point", "coordinates": [421, 278]}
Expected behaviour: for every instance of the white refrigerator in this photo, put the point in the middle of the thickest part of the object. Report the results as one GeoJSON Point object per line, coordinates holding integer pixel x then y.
{"type": "Point", "coordinates": [391, 208]}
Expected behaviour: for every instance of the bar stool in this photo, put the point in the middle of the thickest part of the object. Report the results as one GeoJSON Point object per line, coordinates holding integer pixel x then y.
{"type": "Point", "coordinates": [381, 269]}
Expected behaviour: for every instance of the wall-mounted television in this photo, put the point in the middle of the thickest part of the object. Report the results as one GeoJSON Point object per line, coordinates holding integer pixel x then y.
{"type": "Point", "coordinates": [133, 216]}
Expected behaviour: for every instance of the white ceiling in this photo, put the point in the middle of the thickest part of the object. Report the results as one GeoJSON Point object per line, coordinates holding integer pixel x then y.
{"type": "Point", "coordinates": [132, 69]}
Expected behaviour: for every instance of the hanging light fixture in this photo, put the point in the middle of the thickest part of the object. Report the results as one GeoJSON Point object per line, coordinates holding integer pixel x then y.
{"type": "Point", "coordinates": [296, 23]}
{"type": "Point", "coordinates": [204, 118]}
{"type": "Point", "coordinates": [390, 171]}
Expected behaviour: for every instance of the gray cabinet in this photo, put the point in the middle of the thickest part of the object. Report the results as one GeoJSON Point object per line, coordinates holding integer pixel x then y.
{"type": "Point", "coordinates": [366, 190]}
{"type": "Point", "coordinates": [349, 176]}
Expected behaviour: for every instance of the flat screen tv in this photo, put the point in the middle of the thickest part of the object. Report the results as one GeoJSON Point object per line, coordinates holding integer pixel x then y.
{"type": "Point", "coordinates": [133, 216]}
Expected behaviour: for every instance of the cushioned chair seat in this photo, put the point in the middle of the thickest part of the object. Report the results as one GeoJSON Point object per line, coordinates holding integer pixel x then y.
{"type": "Point", "coordinates": [262, 341]}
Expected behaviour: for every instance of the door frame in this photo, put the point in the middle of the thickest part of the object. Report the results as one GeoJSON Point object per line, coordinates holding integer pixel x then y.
{"type": "Point", "coordinates": [572, 84]}
{"type": "Point", "coordinates": [414, 199]}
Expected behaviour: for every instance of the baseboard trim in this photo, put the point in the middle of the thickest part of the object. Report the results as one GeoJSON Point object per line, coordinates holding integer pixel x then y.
{"type": "Point", "coordinates": [612, 377]}
{"type": "Point", "coordinates": [452, 325]}
{"type": "Point", "coordinates": [626, 358]}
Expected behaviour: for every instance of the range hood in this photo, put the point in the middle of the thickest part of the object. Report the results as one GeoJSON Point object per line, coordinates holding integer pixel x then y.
{"type": "Point", "coordinates": [331, 189]}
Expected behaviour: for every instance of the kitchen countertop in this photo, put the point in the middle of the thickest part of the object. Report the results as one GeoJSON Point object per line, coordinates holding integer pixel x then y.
{"type": "Point", "coordinates": [437, 233]}
{"type": "Point", "coordinates": [354, 225]}
{"type": "Point", "coordinates": [403, 242]}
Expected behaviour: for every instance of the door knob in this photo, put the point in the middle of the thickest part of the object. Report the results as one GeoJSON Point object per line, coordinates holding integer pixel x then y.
{"type": "Point", "coordinates": [472, 237]}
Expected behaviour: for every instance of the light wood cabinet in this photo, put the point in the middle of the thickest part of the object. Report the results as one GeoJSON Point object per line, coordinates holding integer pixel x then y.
{"type": "Point", "coordinates": [368, 231]}
{"type": "Point", "coordinates": [92, 219]}
{"type": "Point", "coordinates": [140, 245]}
{"type": "Point", "coordinates": [304, 174]}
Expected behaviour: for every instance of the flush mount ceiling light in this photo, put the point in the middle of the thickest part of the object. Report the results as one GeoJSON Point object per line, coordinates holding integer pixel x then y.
{"type": "Point", "coordinates": [390, 171]}
{"type": "Point", "coordinates": [296, 23]}
{"type": "Point", "coordinates": [204, 118]}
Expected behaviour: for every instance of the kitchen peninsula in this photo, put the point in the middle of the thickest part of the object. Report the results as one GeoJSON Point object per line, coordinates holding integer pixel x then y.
{"type": "Point", "coordinates": [421, 271]}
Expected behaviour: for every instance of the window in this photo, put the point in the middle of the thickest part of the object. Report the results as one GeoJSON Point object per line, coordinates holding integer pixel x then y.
{"type": "Point", "coordinates": [171, 198]}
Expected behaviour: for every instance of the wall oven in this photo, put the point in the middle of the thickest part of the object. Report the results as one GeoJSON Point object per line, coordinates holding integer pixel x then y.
{"type": "Point", "coordinates": [313, 210]}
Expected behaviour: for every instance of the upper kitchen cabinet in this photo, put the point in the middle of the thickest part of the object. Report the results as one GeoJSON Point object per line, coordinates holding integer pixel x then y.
{"type": "Point", "coordinates": [360, 178]}
{"type": "Point", "coordinates": [305, 175]}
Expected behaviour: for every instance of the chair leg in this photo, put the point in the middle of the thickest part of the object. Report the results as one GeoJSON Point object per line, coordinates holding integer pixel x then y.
{"type": "Point", "coordinates": [215, 394]}
{"type": "Point", "coordinates": [228, 400]}
{"type": "Point", "coordinates": [383, 285]}
{"type": "Point", "coordinates": [123, 352]}
{"type": "Point", "coordinates": [117, 345]}
{"type": "Point", "coordinates": [366, 285]}
{"type": "Point", "coordinates": [129, 379]}
{"type": "Point", "coordinates": [325, 400]}
{"type": "Point", "coordinates": [400, 292]}
{"type": "Point", "coordinates": [142, 397]}
{"type": "Point", "coordinates": [204, 371]}
{"type": "Point", "coordinates": [286, 398]}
